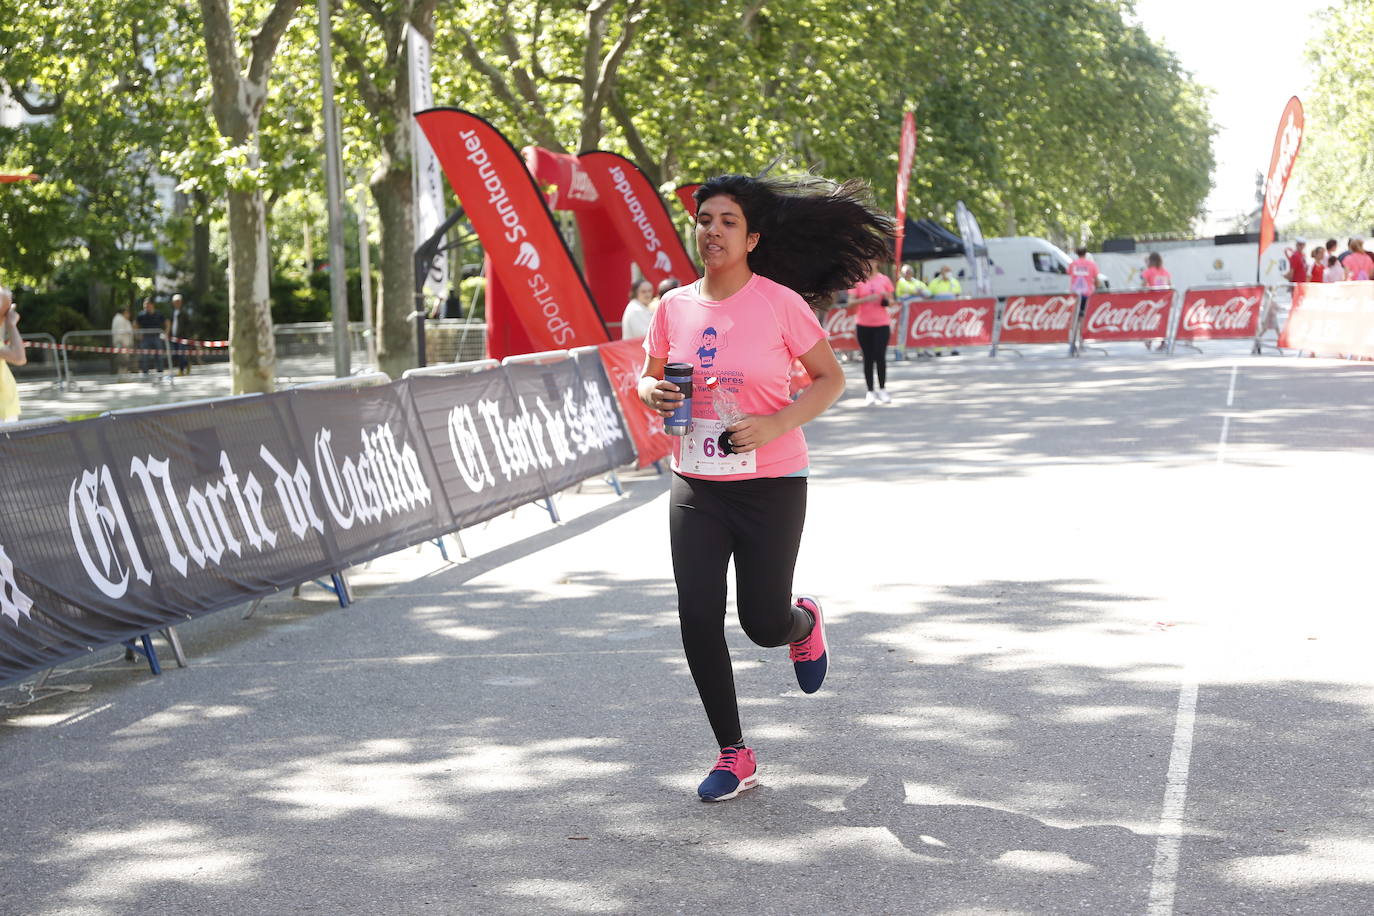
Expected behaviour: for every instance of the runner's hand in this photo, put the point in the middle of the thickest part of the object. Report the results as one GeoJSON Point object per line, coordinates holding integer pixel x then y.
{"type": "Point", "coordinates": [754, 432]}
{"type": "Point", "coordinates": [662, 397]}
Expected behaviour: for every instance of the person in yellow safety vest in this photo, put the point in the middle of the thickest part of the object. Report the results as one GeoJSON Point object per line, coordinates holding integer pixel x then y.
{"type": "Point", "coordinates": [908, 285]}
{"type": "Point", "coordinates": [945, 286]}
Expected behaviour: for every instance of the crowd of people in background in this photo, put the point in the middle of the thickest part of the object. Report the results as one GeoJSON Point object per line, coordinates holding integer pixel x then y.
{"type": "Point", "coordinates": [1323, 265]}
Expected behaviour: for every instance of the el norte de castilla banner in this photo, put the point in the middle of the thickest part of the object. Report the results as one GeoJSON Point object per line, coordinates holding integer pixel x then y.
{"type": "Point", "coordinates": [123, 524]}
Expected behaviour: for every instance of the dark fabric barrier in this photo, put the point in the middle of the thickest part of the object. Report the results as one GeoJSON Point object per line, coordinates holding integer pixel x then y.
{"type": "Point", "coordinates": [115, 526]}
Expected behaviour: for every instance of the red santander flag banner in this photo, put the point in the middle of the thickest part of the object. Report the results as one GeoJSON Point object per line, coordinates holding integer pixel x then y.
{"type": "Point", "coordinates": [950, 323]}
{"type": "Point", "coordinates": [1038, 319]}
{"type": "Point", "coordinates": [639, 217]}
{"type": "Point", "coordinates": [1331, 318]}
{"type": "Point", "coordinates": [1286, 144]}
{"type": "Point", "coordinates": [906, 154]}
{"type": "Point", "coordinates": [545, 290]}
{"type": "Point", "coordinates": [840, 322]}
{"type": "Point", "coordinates": [1128, 316]}
{"type": "Point", "coordinates": [1220, 314]}
{"type": "Point", "coordinates": [624, 361]}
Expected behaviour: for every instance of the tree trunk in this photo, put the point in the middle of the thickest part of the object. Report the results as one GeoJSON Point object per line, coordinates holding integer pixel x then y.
{"type": "Point", "coordinates": [236, 102]}
{"type": "Point", "coordinates": [395, 202]}
{"type": "Point", "coordinates": [252, 346]}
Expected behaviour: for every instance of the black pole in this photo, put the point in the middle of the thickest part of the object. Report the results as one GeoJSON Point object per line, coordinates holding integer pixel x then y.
{"type": "Point", "coordinates": [424, 257]}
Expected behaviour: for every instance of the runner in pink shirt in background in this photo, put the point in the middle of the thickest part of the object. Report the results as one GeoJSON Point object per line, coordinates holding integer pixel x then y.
{"type": "Point", "coordinates": [1083, 280]}
{"type": "Point", "coordinates": [873, 327]}
{"type": "Point", "coordinates": [769, 248]}
{"type": "Point", "coordinates": [1154, 276]}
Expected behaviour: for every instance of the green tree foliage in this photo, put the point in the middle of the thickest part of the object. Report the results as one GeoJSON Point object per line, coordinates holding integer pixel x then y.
{"type": "Point", "coordinates": [93, 84]}
{"type": "Point", "coordinates": [1052, 117]}
{"type": "Point", "coordinates": [1338, 145]}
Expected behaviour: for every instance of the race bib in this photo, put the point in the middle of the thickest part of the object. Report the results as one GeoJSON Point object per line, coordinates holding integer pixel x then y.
{"type": "Point", "coordinates": [701, 454]}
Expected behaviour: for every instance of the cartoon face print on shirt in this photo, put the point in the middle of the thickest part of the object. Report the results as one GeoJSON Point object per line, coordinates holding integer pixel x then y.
{"type": "Point", "coordinates": [709, 342]}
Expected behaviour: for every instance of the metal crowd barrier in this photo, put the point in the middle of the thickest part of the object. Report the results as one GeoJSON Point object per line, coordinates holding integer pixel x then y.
{"type": "Point", "coordinates": [57, 356]}
{"type": "Point", "coordinates": [449, 340]}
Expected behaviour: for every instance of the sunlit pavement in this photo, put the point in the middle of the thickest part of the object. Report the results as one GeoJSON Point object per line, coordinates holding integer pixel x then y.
{"type": "Point", "coordinates": [1101, 638]}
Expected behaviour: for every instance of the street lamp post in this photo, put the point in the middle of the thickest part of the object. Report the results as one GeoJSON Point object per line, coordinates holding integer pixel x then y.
{"type": "Point", "coordinates": [333, 170]}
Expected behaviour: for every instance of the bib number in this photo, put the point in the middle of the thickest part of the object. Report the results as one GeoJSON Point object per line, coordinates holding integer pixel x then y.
{"type": "Point", "coordinates": [701, 454]}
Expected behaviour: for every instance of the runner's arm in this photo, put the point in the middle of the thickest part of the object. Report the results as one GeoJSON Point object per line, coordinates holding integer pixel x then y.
{"type": "Point", "coordinates": [827, 384]}
{"type": "Point", "coordinates": [13, 351]}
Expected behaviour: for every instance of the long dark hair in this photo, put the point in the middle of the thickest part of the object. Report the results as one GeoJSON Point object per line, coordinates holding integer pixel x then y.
{"type": "Point", "coordinates": [816, 236]}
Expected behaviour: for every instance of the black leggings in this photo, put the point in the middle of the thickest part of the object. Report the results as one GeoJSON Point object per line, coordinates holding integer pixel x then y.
{"type": "Point", "coordinates": [873, 343]}
{"type": "Point", "coordinates": [760, 522]}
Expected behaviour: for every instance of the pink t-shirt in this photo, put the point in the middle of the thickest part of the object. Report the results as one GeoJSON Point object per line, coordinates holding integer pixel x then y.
{"type": "Point", "coordinates": [873, 314]}
{"type": "Point", "coordinates": [748, 341]}
{"type": "Point", "coordinates": [1156, 278]}
{"type": "Point", "coordinates": [1082, 277]}
{"type": "Point", "coordinates": [1358, 266]}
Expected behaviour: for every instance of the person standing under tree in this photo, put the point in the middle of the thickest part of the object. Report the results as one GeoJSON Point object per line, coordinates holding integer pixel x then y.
{"type": "Point", "coordinates": [122, 337]}
{"type": "Point", "coordinates": [151, 326]}
{"type": "Point", "coordinates": [768, 247]}
{"type": "Point", "coordinates": [12, 353]}
{"type": "Point", "coordinates": [179, 328]}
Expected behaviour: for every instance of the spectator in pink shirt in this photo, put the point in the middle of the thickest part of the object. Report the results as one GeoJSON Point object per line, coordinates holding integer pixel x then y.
{"type": "Point", "coordinates": [1154, 276]}
{"type": "Point", "coordinates": [1358, 264]}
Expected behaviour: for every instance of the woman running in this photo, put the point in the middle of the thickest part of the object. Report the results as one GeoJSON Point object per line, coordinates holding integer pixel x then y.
{"type": "Point", "coordinates": [768, 246]}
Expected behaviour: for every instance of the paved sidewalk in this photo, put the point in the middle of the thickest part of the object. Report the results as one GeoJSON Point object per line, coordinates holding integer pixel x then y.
{"type": "Point", "coordinates": [1100, 632]}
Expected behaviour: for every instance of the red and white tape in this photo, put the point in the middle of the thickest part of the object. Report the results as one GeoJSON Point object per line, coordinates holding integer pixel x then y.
{"type": "Point", "coordinates": [77, 348]}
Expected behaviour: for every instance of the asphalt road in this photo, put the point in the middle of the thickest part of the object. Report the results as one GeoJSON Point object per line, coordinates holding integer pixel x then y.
{"type": "Point", "coordinates": [1101, 635]}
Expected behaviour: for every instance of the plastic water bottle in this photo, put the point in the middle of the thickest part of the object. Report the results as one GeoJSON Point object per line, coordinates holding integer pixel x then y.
{"type": "Point", "coordinates": [727, 411]}
{"type": "Point", "coordinates": [680, 374]}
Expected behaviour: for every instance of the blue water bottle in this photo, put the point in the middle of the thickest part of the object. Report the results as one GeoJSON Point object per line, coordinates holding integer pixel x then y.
{"type": "Point", "coordinates": [680, 374]}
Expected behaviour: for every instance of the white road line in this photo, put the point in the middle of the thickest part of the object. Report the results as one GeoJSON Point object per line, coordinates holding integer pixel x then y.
{"type": "Point", "coordinates": [1164, 875]}
{"type": "Point", "coordinates": [1226, 418]}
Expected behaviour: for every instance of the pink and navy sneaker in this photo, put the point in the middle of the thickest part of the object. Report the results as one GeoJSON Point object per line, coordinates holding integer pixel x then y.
{"type": "Point", "coordinates": [810, 660]}
{"type": "Point", "coordinates": [736, 770]}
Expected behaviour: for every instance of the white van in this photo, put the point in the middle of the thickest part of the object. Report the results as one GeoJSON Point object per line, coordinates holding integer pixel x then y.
{"type": "Point", "coordinates": [1021, 265]}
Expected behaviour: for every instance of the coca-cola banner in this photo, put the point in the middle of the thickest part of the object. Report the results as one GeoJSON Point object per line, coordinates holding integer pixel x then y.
{"type": "Point", "coordinates": [1128, 316]}
{"type": "Point", "coordinates": [839, 324]}
{"type": "Point", "coordinates": [1331, 318]}
{"type": "Point", "coordinates": [1038, 319]}
{"type": "Point", "coordinates": [624, 362]}
{"type": "Point", "coordinates": [115, 526]}
{"type": "Point", "coordinates": [949, 323]}
{"type": "Point", "coordinates": [1220, 314]}
{"type": "Point", "coordinates": [541, 283]}
{"type": "Point", "coordinates": [639, 216]}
